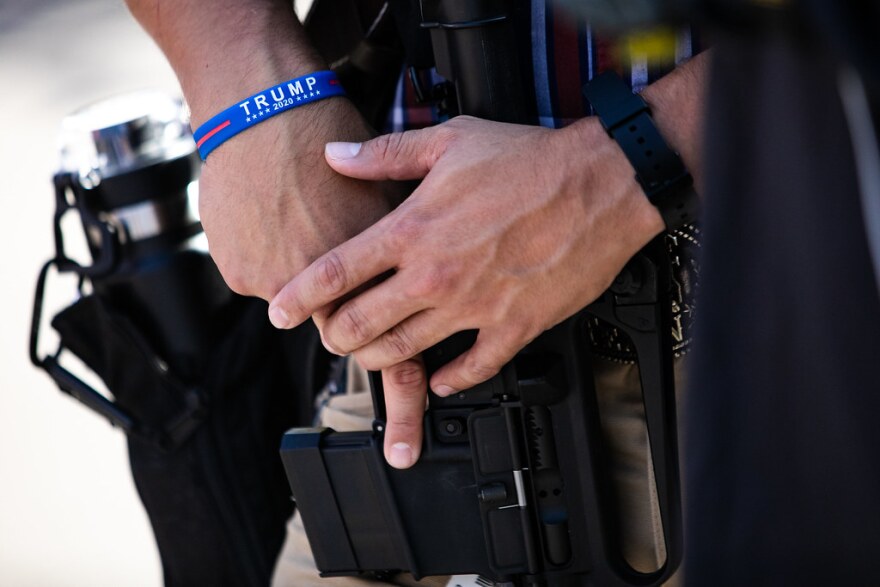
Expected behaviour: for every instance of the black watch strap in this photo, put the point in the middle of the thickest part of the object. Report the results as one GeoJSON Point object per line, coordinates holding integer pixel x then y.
{"type": "Point", "coordinates": [659, 169]}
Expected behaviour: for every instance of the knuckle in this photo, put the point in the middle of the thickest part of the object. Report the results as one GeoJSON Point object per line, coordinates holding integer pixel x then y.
{"type": "Point", "coordinates": [364, 362]}
{"type": "Point", "coordinates": [294, 305]}
{"type": "Point", "coordinates": [408, 377]}
{"type": "Point", "coordinates": [353, 327]}
{"type": "Point", "coordinates": [467, 119]}
{"type": "Point", "coordinates": [404, 232]}
{"type": "Point", "coordinates": [481, 368]}
{"type": "Point", "coordinates": [331, 274]}
{"type": "Point", "coordinates": [237, 284]}
{"type": "Point", "coordinates": [480, 372]}
{"type": "Point", "coordinates": [523, 332]}
{"type": "Point", "coordinates": [368, 362]}
{"type": "Point", "coordinates": [448, 132]}
{"type": "Point", "coordinates": [392, 149]}
{"type": "Point", "coordinates": [405, 420]}
{"type": "Point", "coordinates": [398, 343]}
{"type": "Point", "coordinates": [460, 122]}
{"type": "Point", "coordinates": [385, 145]}
{"type": "Point", "coordinates": [431, 282]}
{"type": "Point", "coordinates": [235, 279]}
{"type": "Point", "coordinates": [458, 128]}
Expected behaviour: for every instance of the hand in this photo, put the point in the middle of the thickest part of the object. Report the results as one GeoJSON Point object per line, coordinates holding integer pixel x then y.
{"type": "Point", "coordinates": [512, 230]}
{"type": "Point", "coordinates": [269, 203]}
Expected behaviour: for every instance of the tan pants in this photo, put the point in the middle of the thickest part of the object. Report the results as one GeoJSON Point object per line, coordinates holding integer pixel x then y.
{"type": "Point", "coordinates": [620, 403]}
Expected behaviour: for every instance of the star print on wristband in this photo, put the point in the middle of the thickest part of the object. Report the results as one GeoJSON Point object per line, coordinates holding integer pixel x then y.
{"type": "Point", "coordinates": [264, 105]}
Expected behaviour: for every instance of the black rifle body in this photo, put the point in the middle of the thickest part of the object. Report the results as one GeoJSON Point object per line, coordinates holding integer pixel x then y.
{"type": "Point", "coordinates": [513, 482]}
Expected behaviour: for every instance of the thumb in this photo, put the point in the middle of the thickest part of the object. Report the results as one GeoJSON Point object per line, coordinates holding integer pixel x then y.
{"type": "Point", "coordinates": [400, 155]}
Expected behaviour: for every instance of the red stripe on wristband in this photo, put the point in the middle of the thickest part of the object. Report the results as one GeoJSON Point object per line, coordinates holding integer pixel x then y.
{"type": "Point", "coordinates": [212, 132]}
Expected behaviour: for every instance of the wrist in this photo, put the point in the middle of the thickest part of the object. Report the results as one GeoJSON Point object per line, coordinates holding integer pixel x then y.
{"type": "Point", "coordinates": [604, 169]}
{"type": "Point", "coordinates": [676, 102]}
{"type": "Point", "coordinates": [659, 169]}
{"type": "Point", "coordinates": [295, 137]}
{"type": "Point", "coordinates": [219, 84]}
{"type": "Point", "coordinates": [277, 99]}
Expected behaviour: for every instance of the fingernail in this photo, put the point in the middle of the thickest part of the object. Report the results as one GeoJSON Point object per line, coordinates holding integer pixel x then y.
{"type": "Point", "coordinates": [401, 456]}
{"type": "Point", "coordinates": [342, 151]}
{"type": "Point", "coordinates": [444, 390]}
{"type": "Point", "coordinates": [278, 317]}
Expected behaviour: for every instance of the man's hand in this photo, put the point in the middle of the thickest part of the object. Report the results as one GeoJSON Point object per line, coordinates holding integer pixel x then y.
{"type": "Point", "coordinates": [269, 203]}
{"type": "Point", "coordinates": [512, 230]}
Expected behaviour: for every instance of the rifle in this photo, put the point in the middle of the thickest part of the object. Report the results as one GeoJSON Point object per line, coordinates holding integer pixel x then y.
{"type": "Point", "coordinates": [513, 482]}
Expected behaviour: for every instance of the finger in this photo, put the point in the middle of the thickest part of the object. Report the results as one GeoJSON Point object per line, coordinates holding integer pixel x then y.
{"type": "Point", "coordinates": [331, 276]}
{"type": "Point", "coordinates": [404, 340]}
{"type": "Point", "coordinates": [481, 362]}
{"type": "Point", "coordinates": [364, 318]}
{"type": "Point", "coordinates": [406, 392]}
{"type": "Point", "coordinates": [321, 315]}
{"type": "Point", "coordinates": [402, 155]}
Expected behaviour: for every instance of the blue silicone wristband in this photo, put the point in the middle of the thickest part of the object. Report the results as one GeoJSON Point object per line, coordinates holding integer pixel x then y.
{"type": "Point", "coordinates": [266, 104]}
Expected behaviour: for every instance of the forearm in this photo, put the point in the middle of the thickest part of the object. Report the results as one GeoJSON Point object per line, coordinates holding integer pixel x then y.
{"type": "Point", "coordinates": [225, 50]}
{"type": "Point", "coordinates": [268, 202]}
{"type": "Point", "coordinates": [677, 103]}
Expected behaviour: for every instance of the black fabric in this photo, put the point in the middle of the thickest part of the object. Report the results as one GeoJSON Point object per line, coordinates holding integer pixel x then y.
{"type": "Point", "coordinates": [851, 28]}
{"type": "Point", "coordinates": [109, 343]}
{"type": "Point", "coordinates": [219, 502]}
{"type": "Point", "coordinates": [782, 432]}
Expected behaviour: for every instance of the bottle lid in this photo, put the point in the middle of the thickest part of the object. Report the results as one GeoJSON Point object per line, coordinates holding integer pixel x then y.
{"type": "Point", "coordinates": [124, 133]}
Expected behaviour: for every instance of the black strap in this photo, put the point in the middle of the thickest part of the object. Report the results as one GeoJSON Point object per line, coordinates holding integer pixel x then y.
{"type": "Point", "coordinates": [659, 169]}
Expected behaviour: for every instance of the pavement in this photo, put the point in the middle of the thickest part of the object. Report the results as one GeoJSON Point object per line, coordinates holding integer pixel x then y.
{"type": "Point", "coordinates": [69, 512]}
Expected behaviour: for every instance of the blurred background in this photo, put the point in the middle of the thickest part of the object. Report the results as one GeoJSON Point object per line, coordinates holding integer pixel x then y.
{"type": "Point", "coordinates": [69, 513]}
